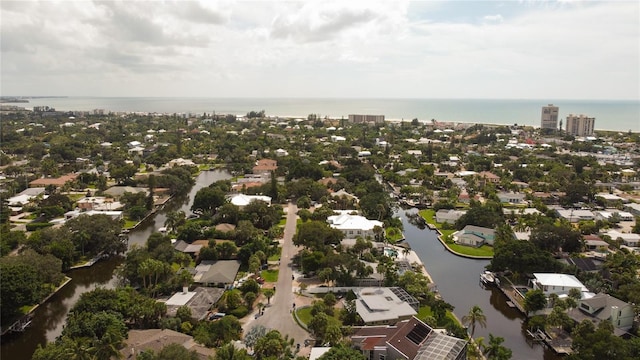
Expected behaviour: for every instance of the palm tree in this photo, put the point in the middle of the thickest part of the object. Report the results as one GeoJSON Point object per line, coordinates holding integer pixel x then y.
{"type": "Point", "coordinates": [475, 316]}
{"type": "Point", "coordinates": [268, 293]}
{"type": "Point", "coordinates": [495, 351]}
{"type": "Point", "coordinates": [174, 220]}
{"type": "Point", "coordinates": [230, 352]}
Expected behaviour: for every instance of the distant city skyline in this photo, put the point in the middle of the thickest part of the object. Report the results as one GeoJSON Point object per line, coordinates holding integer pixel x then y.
{"type": "Point", "coordinates": [322, 49]}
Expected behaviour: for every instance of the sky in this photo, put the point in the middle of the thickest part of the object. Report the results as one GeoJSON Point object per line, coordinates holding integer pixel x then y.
{"type": "Point", "coordinates": [318, 48]}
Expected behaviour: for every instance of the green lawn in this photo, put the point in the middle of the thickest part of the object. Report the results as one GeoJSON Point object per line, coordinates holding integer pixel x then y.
{"type": "Point", "coordinates": [393, 234]}
{"type": "Point", "coordinates": [425, 311]}
{"type": "Point", "coordinates": [484, 250]}
{"type": "Point", "coordinates": [282, 221]}
{"type": "Point", "coordinates": [269, 275]}
{"type": "Point", "coordinates": [276, 256]}
{"type": "Point", "coordinates": [428, 215]}
{"type": "Point", "coordinates": [304, 314]}
{"type": "Point", "coordinates": [128, 224]}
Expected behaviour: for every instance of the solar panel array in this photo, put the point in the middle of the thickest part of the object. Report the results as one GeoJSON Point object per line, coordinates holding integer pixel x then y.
{"type": "Point", "coordinates": [441, 347]}
{"type": "Point", "coordinates": [418, 333]}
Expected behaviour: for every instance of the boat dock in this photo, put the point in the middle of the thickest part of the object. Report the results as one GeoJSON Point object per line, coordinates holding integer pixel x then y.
{"type": "Point", "coordinates": [19, 326]}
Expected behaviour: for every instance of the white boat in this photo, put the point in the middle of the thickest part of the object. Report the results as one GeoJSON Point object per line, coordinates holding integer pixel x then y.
{"type": "Point", "coordinates": [487, 278]}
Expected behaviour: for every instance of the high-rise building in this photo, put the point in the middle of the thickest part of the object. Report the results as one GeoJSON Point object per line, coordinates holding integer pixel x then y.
{"type": "Point", "coordinates": [549, 118]}
{"type": "Point", "coordinates": [580, 125]}
{"type": "Point", "coordinates": [370, 119]}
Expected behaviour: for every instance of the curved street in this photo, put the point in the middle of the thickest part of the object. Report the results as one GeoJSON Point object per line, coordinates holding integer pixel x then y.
{"type": "Point", "coordinates": [278, 314]}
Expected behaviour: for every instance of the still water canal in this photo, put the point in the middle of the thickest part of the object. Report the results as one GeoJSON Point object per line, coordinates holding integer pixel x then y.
{"type": "Point", "coordinates": [50, 317]}
{"type": "Point", "coordinates": [458, 282]}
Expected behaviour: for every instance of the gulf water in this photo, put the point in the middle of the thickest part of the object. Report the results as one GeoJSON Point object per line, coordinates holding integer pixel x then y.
{"type": "Point", "coordinates": [619, 115]}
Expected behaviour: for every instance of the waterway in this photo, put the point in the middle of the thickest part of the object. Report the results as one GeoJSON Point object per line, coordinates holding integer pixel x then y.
{"type": "Point", "coordinates": [457, 280]}
{"type": "Point", "coordinates": [50, 317]}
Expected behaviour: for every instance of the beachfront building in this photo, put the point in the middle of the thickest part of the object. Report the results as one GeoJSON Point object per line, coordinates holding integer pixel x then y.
{"type": "Point", "coordinates": [366, 119]}
{"type": "Point", "coordinates": [410, 339]}
{"type": "Point", "coordinates": [382, 305]}
{"type": "Point", "coordinates": [580, 125]}
{"type": "Point", "coordinates": [549, 118]}
{"type": "Point", "coordinates": [353, 226]}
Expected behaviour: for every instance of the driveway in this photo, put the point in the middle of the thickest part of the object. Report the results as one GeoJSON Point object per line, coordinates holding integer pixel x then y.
{"type": "Point", "coordinates": [278, 315]}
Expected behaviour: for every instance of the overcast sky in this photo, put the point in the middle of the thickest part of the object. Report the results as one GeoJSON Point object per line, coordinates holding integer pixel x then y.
{"type": "Point", "coordinates": [386, 49]}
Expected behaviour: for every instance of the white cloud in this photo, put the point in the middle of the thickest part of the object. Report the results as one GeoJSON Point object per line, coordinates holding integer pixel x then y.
{"type": "Point", "coordinates": [341, 48]}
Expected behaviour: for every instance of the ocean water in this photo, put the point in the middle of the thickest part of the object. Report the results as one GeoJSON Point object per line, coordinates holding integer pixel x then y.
{"type": "Point", "coordinates": [621, 115]}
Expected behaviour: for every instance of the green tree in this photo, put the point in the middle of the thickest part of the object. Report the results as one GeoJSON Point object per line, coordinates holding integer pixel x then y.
{"type": "Point", "coordinates": [494, 349]}
{"type": "Point", "coordinates": [273, 346]}
{"type": "Point", "coordinates": [171, 352]}
{"type": "Point", "coordinates": [230, 352]}
{"type": "Point", "coordinates": [342, 352]}
{"type": "Point", "coordinates": [534, 300]}
{"type": "Point", "coordinates": [475, 316]}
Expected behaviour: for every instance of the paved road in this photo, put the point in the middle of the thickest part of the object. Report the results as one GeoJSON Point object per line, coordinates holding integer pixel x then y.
{"type": "Point", "coordinates": [278, 315]}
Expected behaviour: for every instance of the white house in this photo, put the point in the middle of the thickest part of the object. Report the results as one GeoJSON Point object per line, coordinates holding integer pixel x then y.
{"type": "Point", "coordinates": [575, 215]}
{"type": "Point", "coordinates": [628, 239]}
{"type": "Point", "coordinates": [449, 215]}
{"type": "Point", "coordinates": [353, 226]}
{"type": "Point", "coordinates": [381, 305]}
{"type": "Point", "coordinates": [560, 284]}
{"type": "Point", "coordinates": [242, 200]}
{"type": "Point", "coordinates": [606, 215]}
{"type": "Point", "coordinates": [511, 198]}
{"type": "Point", "coordinates": [474, 236]}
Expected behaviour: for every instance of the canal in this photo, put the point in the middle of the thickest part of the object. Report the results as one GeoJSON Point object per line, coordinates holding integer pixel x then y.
{"type": "Point", "coordinates": [457, 280]}
{"type": "Point", "coordinates": [50, 317]}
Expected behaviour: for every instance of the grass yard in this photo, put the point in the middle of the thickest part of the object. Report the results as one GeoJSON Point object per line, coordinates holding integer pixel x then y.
{"type": "Point", "coordinates": [274, 257]}
{"type": "Point", "coordinates": [282, 221]}
{"type": "Point", "coordinates": [484, 250]}
{"type": "Point", "coordinates": [269, 275]}
{"type": "Point", "coordinates": [304, 315]}
{"type": "Point", "coordinates": [429, 215]}
{"type": "Point", "coordinates": [128, 224]}
{"type": "Point", "coordinates": [393, 234]}
{"type": "Point", "coordinates": [425, 311]}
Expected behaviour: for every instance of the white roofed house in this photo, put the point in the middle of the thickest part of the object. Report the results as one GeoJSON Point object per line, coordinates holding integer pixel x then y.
{"type": "Point", "coordinates": [449, 215]}
{"type": "Point", "coordinates": [473, 235]}
{"type": "Point", "coordinates": [560, 284]}
{"type": "Point", "coordinates": [382, 305]}
{"type": "Point", "coordinates": [353, 226]}
{"type": "Point", "coordinates": [511, 198]}
{"type": "Point", "coordinates": [242, 200]}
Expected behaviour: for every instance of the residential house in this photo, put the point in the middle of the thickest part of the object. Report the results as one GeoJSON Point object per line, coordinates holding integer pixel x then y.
{"type": "Point", "coordinates": [154, 340]}
{"type": "Point", "coordinates": [410, 339]}
{"type": "Point", "coordinates": [221, 273]}
{"type": "Point", "coordinates": [57, 182]}
{"type": "Point", "coordinates": [353, 226]}
{"type": "Point", "coordinates": [575, 215]}
{"type": "Point", "coordinates": [594, 243]}
{"type": "Point", "coordinates": [511, 198]}
{"type": "Point", "coordinates": [606, 215]}
{"type": "Point", "coordinates": [611, 199]}
{"type": "Point", "coordinates": [633, 208]}
{"type": "Point", "coordinates": [488, 177]}
{"type": "Point", "coordinates": [604, 307]}
{"type": "Point", "coordinates": [242, 200]}
{"type": "Point", "coordinates": [628, 239]}
{"type": "Point", "coordinates": [382, 305]}
{"type": "Point", "coordinates": [265, 166]}
{"type": "Point", "coordinates": [116, 215]}
{"type": "Point", "coordinates": [185, 247]}
{"type": "Point", "coordinates": [473, 235]}
{"type": "Point", "coordinates": [560, 284]}
{"type": "Point", "coordinates": [449, 216]}
{"type": "Point", "coordinates": [118, 191]}
{"type": "Point", "coordinates": [98, 203]}
{"type": "Point", "coordinates": [584, 264]}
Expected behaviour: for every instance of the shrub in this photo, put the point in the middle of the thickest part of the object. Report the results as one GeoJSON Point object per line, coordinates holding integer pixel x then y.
{"type": "Point", "coordinates": [36, 226]}
{"type": "Point", "coordinates": [240, 312]}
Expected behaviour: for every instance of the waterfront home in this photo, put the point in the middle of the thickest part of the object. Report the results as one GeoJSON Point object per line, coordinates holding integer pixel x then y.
{"type": "Point", "coordinates": [221, 273]}
{"type": "Point", "coordinates": [242, 200]}
{"type": "Point", "coordinates": [410, 339]}
{"type": "Point", "coordinates": [116, 215]}
{"type": "Point", "coordinates": [511, 198]}
{"type": "Point", "coordinates": [604, 307]}
{"type": "Point", "coordinates": [118, 191]}
{"type": "Point", "coordinates": [98, 203]}
{"type": "Point", "coordinates": [475, 236]}
{"type": "Point", "coordinates": [185, 247]}
{"type": "Point", "coordinates": [449, 216]}
{"type": "Point", "coordinates": [382, 305]}
{"type": "Point", "coordinates": [353, 226]}
{"type": "Point", "coordinates": [559, 284]}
